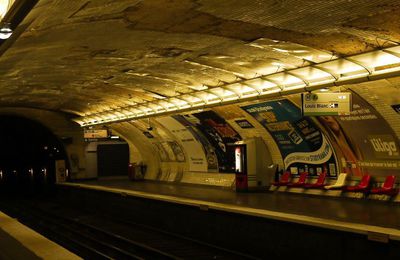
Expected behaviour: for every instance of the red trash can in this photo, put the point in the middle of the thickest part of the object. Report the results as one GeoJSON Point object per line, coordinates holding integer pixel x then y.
{"type": "Point", "coordinates": [131, 171]}
{"type": "Point", "coordinates": [241, 182]}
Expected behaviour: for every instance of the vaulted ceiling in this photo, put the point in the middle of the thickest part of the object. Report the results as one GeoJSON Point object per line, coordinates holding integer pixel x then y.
{"type": "Point", "coordinates": [84, 57]}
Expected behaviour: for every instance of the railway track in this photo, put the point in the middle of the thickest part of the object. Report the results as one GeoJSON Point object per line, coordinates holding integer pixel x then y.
{"type": "Point", "coordinates": [102, 237]}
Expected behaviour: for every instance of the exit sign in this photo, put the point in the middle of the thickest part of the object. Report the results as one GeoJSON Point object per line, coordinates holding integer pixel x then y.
{"type": "Point", "coordinates": [323, 104]}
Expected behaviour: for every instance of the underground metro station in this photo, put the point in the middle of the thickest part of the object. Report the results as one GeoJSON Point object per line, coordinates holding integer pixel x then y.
{"type": "Point", "coordinates": [183, 129]}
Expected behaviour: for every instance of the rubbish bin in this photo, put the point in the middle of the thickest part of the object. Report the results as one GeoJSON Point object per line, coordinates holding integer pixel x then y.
{"type": "Point", "coordinates": [241, 182]}
{"type": "Point", "coordinates": [131, 171]}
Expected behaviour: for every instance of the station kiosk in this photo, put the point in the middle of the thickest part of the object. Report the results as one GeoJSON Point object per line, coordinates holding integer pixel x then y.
{"type": "Point", "coordinates": [252, 165]}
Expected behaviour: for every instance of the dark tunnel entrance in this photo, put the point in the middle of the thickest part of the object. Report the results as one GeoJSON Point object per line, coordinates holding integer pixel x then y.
{"type": "Point", "coordinates": [28, 153]}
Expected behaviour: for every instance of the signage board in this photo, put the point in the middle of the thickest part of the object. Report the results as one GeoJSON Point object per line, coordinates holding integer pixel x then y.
{"type": "Point", "coordinates": [326, 104]}
{"type": "Point", "coordinates": [95, 133]}
{"type": "Point", "coordinates": [243, 123]}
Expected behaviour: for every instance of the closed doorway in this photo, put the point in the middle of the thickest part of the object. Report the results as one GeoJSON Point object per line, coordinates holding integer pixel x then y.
{"type": "Point", "coordinates": [112, 159]}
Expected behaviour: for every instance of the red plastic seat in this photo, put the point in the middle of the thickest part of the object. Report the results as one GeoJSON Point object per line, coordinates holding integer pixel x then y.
{"type": "Point", "coordinates": [284, 180]}
{"type": "Point", "coordinates": [388, 187]}
{"type": "Point", "coordinates": [319, 184]}
{"type": "Point", "coordinates": [300, 182]}
{"type": "Point", "coordinates": [361, 187]}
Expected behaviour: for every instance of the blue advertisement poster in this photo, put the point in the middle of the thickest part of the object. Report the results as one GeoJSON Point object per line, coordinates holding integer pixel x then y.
{"type": "Point", "coordinates": [301, 143]}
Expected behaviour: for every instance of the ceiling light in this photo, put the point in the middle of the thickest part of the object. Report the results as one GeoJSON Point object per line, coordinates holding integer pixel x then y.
{"type": "Point", "coordinates": [337, 71]}
{"type": "Point", "coordinates": [5, 31]}
{"type": "Point", "coordinates": [280, 50]}
{"type": "Point", "coordinates": [202, 87]}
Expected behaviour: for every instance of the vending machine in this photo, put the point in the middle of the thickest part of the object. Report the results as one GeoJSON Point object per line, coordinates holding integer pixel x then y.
{"type": "Point", "coordinates": [252, 165]}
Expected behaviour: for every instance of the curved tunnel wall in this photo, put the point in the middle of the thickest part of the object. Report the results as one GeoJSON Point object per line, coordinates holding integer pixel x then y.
{"type": "Point", "coordinates": [175, 149]}
{"type": "Point", "coordinates": [169, 134]}
{"type": "Point", "coordinates": [139, 146]}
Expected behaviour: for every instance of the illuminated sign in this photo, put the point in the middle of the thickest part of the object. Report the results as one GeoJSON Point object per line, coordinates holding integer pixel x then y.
{"type": "Point", "coordinates": [95, 133]}
{"type": "Point", "coordinates": [324, 104]}
{"type": "Point", "coordinates": [238, 160]}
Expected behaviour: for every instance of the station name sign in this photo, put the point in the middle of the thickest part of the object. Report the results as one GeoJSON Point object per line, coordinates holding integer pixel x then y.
{"type": "Point", "coordinates": [95, 133]}
{"type": "Point", "coordinates": [323, 104]}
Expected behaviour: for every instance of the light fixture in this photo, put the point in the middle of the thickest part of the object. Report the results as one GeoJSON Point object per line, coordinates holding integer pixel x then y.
{"type": "Point", "coordinates": [5, 31]}
{"type": "Point", "coordinates": [335, 72]}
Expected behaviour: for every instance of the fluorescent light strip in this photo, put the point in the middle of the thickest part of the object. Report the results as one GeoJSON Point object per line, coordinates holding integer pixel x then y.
{"type": "Point", "coordinates": [353, 69]}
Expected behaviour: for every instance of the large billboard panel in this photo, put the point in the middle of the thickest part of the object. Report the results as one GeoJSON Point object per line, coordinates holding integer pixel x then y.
{"type": "Point", "coordinates": [190, 123]}
{"type": "Point", "coordinates": [193, 148]}
{"type": "Point", "coordinates": [365, 139]}
{"type": "Point", "coordinates": [218, 134]}
{"type": "Point", "coordinates": [302, 145]}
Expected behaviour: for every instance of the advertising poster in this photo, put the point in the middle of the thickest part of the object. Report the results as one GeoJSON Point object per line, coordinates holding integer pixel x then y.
{"type": "Point", "coordinates": [229, 112]}
{"type": "Point", "coordinates": [173, 150]}
{"type": "Point", "coordinates": [194, 150]}
{"type": "Point", "coordinates": [168, 150]}
{"type": "Point", "coordinates": [366, 140]}
{"type": "Point", "coordinates": [161, 152]}
{"type": "Point", "coordinates": [218, 134]}
{"type": "Point", "coordinates": [301, 143]}
{"type": "Point", "coordinates": [190, 123]}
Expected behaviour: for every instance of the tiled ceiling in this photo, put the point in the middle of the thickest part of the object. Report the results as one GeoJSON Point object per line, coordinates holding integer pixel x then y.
{"type": "Point", "coordinates": [85, 57]}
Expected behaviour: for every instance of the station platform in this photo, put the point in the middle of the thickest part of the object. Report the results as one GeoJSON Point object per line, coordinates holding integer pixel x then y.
{"type": "Point", "coordinates": [20, 242]}
{"type": "Point", "coordinates": [378, 220]}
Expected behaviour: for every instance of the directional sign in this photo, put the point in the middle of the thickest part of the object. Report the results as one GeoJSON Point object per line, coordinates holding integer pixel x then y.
{"type": "Point", "coordinates": [323, 104]}
{"type": "Point", "coordinates": [95, 133]}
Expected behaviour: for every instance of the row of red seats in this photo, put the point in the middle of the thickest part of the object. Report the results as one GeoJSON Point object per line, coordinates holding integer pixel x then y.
{"type": "Point", "coordinates": [388, 187]}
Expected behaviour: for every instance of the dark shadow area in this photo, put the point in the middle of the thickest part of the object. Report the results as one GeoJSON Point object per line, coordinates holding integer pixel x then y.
{"type": "Point", "coordinates": [112, 159]}
{"type": "Point", "coordinates": [28, 152]}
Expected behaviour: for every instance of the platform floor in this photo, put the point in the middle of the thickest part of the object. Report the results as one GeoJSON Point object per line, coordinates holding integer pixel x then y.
{"type": "Point", "coordinates": [17, 241]}
{"type": "Point", "coordinates": [363, 216]}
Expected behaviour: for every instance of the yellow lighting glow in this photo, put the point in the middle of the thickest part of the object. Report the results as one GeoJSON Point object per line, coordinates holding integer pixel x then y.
{"type": "Point", "coordinates": [378, 59]}
{"type": "Point", "coordinates": [284, 79]}
{"type": "Point", "coordinates": [331, 71]}
{"type": "Point", "coordinates": [4, 6]}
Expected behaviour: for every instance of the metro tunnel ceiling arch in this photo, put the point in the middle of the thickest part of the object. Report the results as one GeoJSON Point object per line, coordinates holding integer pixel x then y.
{"type": "Point", "coordinates": [205, 57]}
{"type": "Point", "coordinates": [153, 57]}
